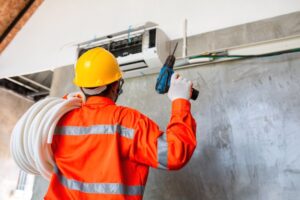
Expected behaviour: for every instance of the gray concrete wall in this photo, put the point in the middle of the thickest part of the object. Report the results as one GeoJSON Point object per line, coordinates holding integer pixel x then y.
{"type": "Point", "coordinates": [255, 32]}
{"type": "Point", "coordinates": [248, 116]}
{"type": "Point", "coordinates": [11, 109]}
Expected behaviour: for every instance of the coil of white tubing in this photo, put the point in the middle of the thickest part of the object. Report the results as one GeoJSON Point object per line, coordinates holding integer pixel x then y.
{"type": "Point", "coordinates": [17, 146]}
{"type": "Point", "coordinates": [32, 135]}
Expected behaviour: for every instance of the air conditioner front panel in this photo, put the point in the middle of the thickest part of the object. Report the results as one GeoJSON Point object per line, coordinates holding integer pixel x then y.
{"type": "Point", "coordinates": [151, 58]}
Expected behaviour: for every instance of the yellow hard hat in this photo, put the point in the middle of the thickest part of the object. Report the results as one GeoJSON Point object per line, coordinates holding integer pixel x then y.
{"type": "Point", "coordinates": [96, 67]}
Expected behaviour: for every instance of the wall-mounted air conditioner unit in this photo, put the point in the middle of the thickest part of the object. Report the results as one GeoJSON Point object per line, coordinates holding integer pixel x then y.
{"type": "Point", "coordinates": [139, 51]}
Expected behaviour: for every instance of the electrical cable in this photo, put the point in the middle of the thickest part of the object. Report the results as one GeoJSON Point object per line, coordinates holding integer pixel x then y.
{"type": "Point", "coordinates": [32, 136]}
{"type": "Point", "coordinates": [225, 54]}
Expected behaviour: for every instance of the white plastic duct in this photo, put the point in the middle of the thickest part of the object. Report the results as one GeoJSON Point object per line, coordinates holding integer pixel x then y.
{"type": "Point", "coordinates": [32, 136]}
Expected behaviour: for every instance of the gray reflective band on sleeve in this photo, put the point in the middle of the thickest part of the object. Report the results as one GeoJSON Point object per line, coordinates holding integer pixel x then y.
{"type": "Point", "coordinates": [96, 129]}
{"type": "Point", "coordinates": [162, 151]}
{"type": "Point", "coordinates": [99, 188]}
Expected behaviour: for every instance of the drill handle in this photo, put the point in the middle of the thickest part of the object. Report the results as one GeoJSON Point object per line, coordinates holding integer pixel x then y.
{"type": "Point", "coordinates": [195, 94]}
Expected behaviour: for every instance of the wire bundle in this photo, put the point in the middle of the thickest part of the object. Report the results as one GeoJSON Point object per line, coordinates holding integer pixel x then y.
{"type": "Point", "coordinates": [32, 136]}
{"type": "Point", "coordinates": [225, 54]}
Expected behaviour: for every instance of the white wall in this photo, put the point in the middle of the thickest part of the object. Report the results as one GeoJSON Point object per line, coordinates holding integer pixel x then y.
{"type": "Point", "coordinates": [46, 40]}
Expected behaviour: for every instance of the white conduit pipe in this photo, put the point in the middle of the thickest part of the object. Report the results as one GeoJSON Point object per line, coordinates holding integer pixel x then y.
{"type": "Point", "coordinates": [32, 136]}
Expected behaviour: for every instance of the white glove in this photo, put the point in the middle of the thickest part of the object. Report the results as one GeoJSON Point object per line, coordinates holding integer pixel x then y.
{"type": "Point", "coordinates": [179, 88]}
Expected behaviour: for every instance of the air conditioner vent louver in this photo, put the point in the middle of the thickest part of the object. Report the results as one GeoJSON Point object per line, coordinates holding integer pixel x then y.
{"type": "Point", "coordinates": [126, 67]}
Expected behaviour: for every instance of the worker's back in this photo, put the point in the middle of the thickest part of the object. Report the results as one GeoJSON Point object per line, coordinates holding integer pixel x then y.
{"type": "Point", "coordinates": [90, 148]}
{"type": "Point", "coordinates": [103, 151]}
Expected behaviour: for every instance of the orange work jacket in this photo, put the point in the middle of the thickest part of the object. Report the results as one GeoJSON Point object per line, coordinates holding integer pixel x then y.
{"type": "Point", "coordinates": [103, 151]}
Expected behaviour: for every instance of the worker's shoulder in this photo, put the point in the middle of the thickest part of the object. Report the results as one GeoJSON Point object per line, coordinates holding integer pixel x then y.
{"type": "Point", "coordinates": [128, 111]}
{"type": "Point", "coordinates": [128, 117]}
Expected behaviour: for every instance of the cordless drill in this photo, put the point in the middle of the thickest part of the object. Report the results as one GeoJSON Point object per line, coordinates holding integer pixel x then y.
{"type": "Point", "coordinates": [163, 81]}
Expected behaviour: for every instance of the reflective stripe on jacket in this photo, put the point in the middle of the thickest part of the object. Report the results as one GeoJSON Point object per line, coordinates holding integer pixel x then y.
{"type": "Point", "coordinates": [103, 151]}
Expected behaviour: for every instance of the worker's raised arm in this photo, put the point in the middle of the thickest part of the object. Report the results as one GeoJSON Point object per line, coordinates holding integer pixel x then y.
{"type": "Point", "coordinates": [176, 146]}
{"type": "Point", "coordinates": [166, 150]}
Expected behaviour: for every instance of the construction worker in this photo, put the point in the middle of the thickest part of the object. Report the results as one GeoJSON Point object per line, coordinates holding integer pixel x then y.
{"type": "Point", "coordinates": [102, 150]}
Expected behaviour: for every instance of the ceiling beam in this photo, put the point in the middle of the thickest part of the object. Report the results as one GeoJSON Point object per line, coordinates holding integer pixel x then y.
{"type": "Point", "coordinates": [16, 20]}
{"type": "Point", "coordinates": [18, 23]}
{"type": "Point", "coordinates": [34, 82]}
{"type": "Point", "coordinates": [22, 84]}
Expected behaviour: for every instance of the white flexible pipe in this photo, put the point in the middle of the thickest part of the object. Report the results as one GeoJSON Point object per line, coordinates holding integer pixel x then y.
{"type": "Point", "coordinates": [32, 136]}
